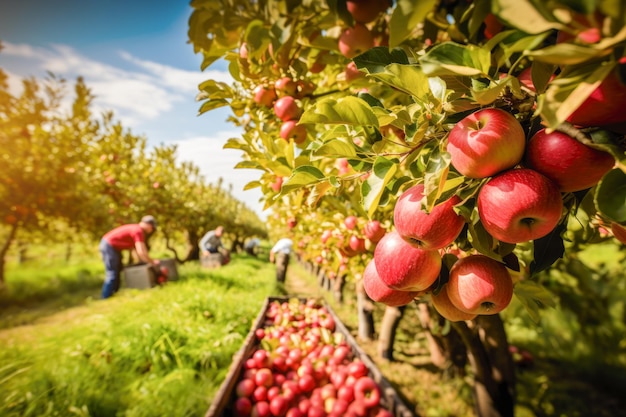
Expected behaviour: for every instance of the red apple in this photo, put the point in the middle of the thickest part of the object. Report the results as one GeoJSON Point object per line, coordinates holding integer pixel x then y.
{"type": "Point", "coordinates": [479, 285]}
{"type": "Point", "coordinates": [306, 383]}
{"type": "Point", "coordinates": [404, 267]}
{"type": "Point", "coordinates": [287, 108]}
{"type": "Point", "coordinates": [277, 184]}
{"type": "Point", "coordinates": [264, 96]}
{"type": "Point", "coordinates": [352, 73]}
{"type": "Point", "coordinates": [492, 26]}
{"type": "Point", "coordinates": [278, 406]}
{"type": "Point", "coordinates": [260, 393]}
{"type": "Point", "coordinates": [604, 106]}
{"type": "Point", "coordinates": [486, 142]}
{"type": "Point", "coordinates": [350, 222]}
{"type": "Point", "coordinates": [291, 130]}
{"type": "Point", "coordinates": [378, 291]}
{"type": "Point", "coordinates": [355, 40]}
{"type": "Point", "coordinates": [443, 305]}
{"type": "Point", "coordinates": [365, 11]}
{"type": "Point", "coordinates": [366, 390]}
{"type": "Point", "coordinates": [374, 231]}
{"type": "Point", "coordinates": [264, 377]}
{"type": "Point", "coordinates": [261, 409]}
{"type": "Point", "coordinates": [619, 232]}
{"type": "Point", "coordinates": [357, 369]}
{"type": "Point", "coordinates": [295, 412]}
{"type": "Point", "coordinates": [571, 165]}
{"type": "Point", "coordinates": [519, 205]}
{"type": "Point", "coordinates": [285, 86]}
{"type": "Point", "coordinates": [428, 231]}
{"type": "Point", "coordinates": [262, 358]}
{"type": "Point", "coordinates": [245, 387]}
{"type": "Point", "coordinates": [243, 407]}
{"type": "Point", "coordinates": [357, 244]}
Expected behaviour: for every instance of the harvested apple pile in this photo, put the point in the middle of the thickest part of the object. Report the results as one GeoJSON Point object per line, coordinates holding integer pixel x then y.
{"type": "Point", "coordinates": [303, 368]}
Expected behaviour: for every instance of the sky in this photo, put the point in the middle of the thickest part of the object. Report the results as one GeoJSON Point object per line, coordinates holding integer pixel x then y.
{"type": "Point", "coordinates": [135, 58]}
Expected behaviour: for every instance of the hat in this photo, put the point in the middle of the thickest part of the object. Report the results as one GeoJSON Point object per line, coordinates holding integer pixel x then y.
{"type": "Point", "coordinates": [150, 220]}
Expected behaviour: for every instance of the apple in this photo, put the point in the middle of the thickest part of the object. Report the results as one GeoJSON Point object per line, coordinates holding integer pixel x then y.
{"type": "Point", "coordinates": [374, 231]}
{"type": "Point", "coordinates": [305, 88]}
{"type": "Point", "coordinates": [570, 164]}
{"type": "Point", "coordinates": [355, 40]}
{"type": "Point", "coordinates": [357, 244]}
{"type": "Point", "coordinates": [345, 393]}
{"type": "Point", "coordinates": [279, 406]}
{"type": "Point", "coordinates": [404, 267]}
{"type": "Point", "coordinates": [357, 369]}
{"type": "Point", "coordinates": [479, 284]}
{"type": "Point", "coordinates": [326, 234]}
{"type": "Point", "coordinates": [366, 390]}
{"type": "Point", "coordinates": [261, 409]}
{"type": "Point", "coordinates": [287, 108]}
{"type": "Point", "coordinates": [605, 105]}
{"type": "Point", "coordinates": [443, 305]}
{"type": "Point", "coordinates": [352, 73]}
{"type": "Point", "coordinates": [262, 358]}
{"type": "Point", "coordinates": [277, 184]}
{"type": "Point", "coordinates": [264, 377]}
{"type": "Point", "coordinates": [295, 412]}
{"type": "Point", "coordinates": [285, 86]}
{"type": "Point", "coordinates": [243, 407]}
{"type": "Point", "coordinates": [486, 142]}
{"type": "Point", "coordinates": [260, 393]}
{"type": "Point", "coordinates": [492, 26]}
{"type": "Point", "coordinates": [264, 96]}
{"type": "Point", "coordinates": [350, 222]}
{"type": "Point", "coordinates": [619, 232]}
{"type": "Point", "coordinates": [306, 383]}
{"type": "Point", "coordinates": [519, 205]}
{"type": "Point", "coordinates": [428, 231]}
{"type": "Point", "coordinates": [378, 291]}
{"type": "Point", "coordinates": [291, 130]}
{"type": "Point", "coordinates": [245, 387]}
{"type": "Point", "coordinates": [366, 11]}
{"type": "Point", "coordinates": [292, 222]}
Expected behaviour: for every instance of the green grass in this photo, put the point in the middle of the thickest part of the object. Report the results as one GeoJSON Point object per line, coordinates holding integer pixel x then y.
{"type": "Point", "coordinates": [158, 352]}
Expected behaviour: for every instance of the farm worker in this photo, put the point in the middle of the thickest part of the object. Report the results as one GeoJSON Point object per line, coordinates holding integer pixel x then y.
{"type": "Point", "coordinates": [280, 254]}
{"type": "Point", "coordinates": [126, 237]}
{"type": "Point", "coordinates": [211, 242]}
{"type": "Point", "coordinates": [251, 245]}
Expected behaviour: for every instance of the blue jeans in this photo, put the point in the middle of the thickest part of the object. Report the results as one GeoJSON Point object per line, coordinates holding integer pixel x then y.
{"type": "Point", "coordinates": [112, 259]}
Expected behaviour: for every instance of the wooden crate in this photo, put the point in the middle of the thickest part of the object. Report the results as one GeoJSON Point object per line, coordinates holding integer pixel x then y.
{"type": "Point", "coordinates": [224, 398]}
{"type": "Point", "coordinates": [172, 271]}
{"type": "Point", "coordinates": [139, 276]}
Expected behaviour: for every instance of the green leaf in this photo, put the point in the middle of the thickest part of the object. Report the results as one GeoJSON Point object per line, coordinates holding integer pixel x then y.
{"type": "Point", "coordinates": [235, 143]}
{"type": "Point", "coordinates": [302, 176]}
{"type": "Point", "coordinates": [610, 195]}
{"type": "Point", "coordinates": [451, 58]}
{"type": "Point", "coordinates": [547, 250]}
{"type": "Point", "coordinates": [211, 105]}
{"type": "Point", "coordinates": [335, 148]}
{"type": "Point", "coordinates": [565, 54]}
{"type": "Point", "coordinates": [347, 110]}
{"type": "Point", "coordinates": [372, 189]}
{"type": "Point", "coordinates": [248, 165]}
{"type": "Point", "coordinates": [407, 78]}
{"type": "Point", "coordinates": [525, 15]}
{"type": "Point", "coordinates": [376, 59]}
{"type": "Point", "coordinates": [251, 185]}
{"type": "Point", "coordinates": [406, 16]}
{"type": "Point", "coordinates": [533, 297]}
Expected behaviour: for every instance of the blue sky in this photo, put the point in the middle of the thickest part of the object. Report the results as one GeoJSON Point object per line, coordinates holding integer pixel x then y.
{"type": "Point", "coordinates": [134, 56]}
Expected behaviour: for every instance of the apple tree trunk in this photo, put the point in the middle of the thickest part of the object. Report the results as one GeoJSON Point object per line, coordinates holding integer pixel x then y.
{"type": "Point", "coordinates": [193, 251]}
{"type": "Point", "coordinates": [447, 351]}
{"type": "Point", "coordinates": [492, 365]}
{"type": "Point", "coordinates": [338, 284]}
{"type": "Point", "coordinates": [387, 334]}
{"type": "Point", "coordinates": [4, 249]}
{"type": "Point", "coordinates": [365, 311]}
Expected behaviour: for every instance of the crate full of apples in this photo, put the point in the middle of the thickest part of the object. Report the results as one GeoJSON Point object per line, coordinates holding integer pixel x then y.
{"type": "Point", "coordinates": [299, 360]}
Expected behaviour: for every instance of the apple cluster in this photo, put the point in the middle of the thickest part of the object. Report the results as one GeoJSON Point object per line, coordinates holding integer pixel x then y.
{"type": "Point", "coordinates": [520, 200]}
{"type": "Point", "coordinates": [302, 367]}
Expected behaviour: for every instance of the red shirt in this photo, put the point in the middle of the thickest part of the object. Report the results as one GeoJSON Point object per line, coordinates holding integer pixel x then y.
{"type": "Point", "coordinates": [125, 237]}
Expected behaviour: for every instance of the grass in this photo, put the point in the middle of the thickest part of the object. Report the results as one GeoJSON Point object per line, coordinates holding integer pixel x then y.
{"type": "Point", "coordinates": [141, 353]}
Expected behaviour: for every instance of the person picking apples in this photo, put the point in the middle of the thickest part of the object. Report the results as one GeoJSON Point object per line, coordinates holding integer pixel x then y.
{"type": "Point", "coordinates": [125, 237]}
{"type": "Point", "coordinates": [279, 254]}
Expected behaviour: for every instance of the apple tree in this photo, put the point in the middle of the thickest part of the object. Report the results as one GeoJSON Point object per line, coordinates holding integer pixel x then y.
{"type": "Point", "coordinates": [486, 136]}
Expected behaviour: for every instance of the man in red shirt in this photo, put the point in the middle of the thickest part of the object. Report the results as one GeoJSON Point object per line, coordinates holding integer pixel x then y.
{"type": "Point", "coordinates": [126, 237]}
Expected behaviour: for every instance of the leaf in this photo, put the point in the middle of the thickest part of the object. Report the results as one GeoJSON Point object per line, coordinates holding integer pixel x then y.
{"type": "Point", "coordinates": [376, 59]}
{"type": "Point", "coordinates": [524, 15]}
{"type": "Point", "coordinates": [533, 297]}
{"type": "Point", "coordinates": [408, 78]}
{"type": "Point", "coordinates": [372, 189]}
{"type": "Point", "coordinates": [302, 176]}
{"type": "Point", "coordinates": [347, 110]}
{"type": "Point", "coordinates": [566, 54]}
{"type": "Point", "coordinates": [406, 16]}
{"type": "Point", "coordinates": [547, 250]}
{"type": "Point", "coordinates": [211, 105]}
{"type": "Point", "coordinates": [251, 185]}
{"type": "Point", "coordinates": [451, 58]}
{"type": "Point", "coordinates": [610, 198]}
{"type": "Point", "coordinates": [335, 148]}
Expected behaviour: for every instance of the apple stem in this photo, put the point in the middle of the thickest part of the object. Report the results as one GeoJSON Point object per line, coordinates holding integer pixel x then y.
{"type": "Point", "coordinates": [528, 221]}
{"type": "Point", "coordinates": [488, 305]}
{"type": "Point", "coordinates": [416, 242]}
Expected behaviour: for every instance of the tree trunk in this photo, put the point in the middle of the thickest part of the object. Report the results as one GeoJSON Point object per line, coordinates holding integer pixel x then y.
{"type": "Point", "coordinates": [447, 351]}
{"type": "Point", "coordinates": [193, 251]}
{"type": "Point", "coordinates": [338, 285]}
{"type": "Point", "coordinates": [68, 252]}
{"type": "Point", "coordinates": [21, 252]}
{"type": "Point", "coordinates": [388, 327]}
{"type": "Point", "coordinates": [365, 308]}
{"type": "Point", "coordinates": [492, 366]}
{"type": "Point", "coordinates": [3, 253]}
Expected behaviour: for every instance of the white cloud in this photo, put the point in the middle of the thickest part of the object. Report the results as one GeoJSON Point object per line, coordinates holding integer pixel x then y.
{"type": "Point", "coordinates": [208, 155]}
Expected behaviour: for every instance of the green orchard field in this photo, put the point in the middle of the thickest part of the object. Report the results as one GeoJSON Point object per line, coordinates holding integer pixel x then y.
{"type": "Point", "coordinates": [165, 351]}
